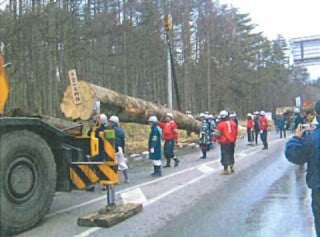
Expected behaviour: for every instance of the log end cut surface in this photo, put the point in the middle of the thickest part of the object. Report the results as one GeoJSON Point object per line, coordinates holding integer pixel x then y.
{"type": "Point", "coordinates": [82, 110]}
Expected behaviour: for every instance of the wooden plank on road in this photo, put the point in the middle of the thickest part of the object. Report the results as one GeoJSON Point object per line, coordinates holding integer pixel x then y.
{"type": "Point", "coordinates": [110, 215]}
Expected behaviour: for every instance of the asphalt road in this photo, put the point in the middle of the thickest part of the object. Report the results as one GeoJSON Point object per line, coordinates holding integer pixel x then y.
{"type": "Point", "coordinates": [267, 199]}
{"type": "Point", "coordinates": [266, 196]}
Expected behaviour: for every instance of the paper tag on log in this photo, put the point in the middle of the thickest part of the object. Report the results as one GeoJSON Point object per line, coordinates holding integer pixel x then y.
{"type": "Point", "coordinates": [74, 86]}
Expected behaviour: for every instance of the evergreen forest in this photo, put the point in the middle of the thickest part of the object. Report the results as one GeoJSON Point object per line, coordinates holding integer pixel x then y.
{"type": "Point", "coordinates": [219, 59]}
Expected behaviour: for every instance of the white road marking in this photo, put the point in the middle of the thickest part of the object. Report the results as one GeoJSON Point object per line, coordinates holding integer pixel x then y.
{"type": "Point", "coordinates": [205, 169]}
{"type": "Point", "coordinates": [125, 190]}
{"type": "Point", "coordinates": [133, 196]}
{"type": "Point", "coordinates": [177, 188]}
{"type": "Point", "coordinates": [88, 232]}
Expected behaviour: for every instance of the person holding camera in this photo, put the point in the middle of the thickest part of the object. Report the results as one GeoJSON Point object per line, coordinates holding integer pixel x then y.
{"type": "Point", "coordinates": [304, 147]}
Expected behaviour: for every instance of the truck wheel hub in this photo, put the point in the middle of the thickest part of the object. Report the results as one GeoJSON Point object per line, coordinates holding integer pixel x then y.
{"type": "Point", "coordinates": [21, 179]}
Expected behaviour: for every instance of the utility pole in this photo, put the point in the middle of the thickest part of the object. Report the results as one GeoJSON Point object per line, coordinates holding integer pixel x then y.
{"type": "Point", "coordinates": [167, 21]}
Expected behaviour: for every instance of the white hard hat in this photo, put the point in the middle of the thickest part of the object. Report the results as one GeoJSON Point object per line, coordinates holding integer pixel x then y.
{"type": "Point", "coordinates": [262, 113]}
{"type": "Point", "coordinates": [153, 119]}
{"type": "Point", "coordinates": [249, 114]}
{"type": "Point", "coordinates": [202, 115]}
{"type": "Point", "coordinates": [170, 115]}
{"type": "Point", "coordinates": [296, 110]}
{"type": "Point", "coordinates": [224, 114]}
{"type": "Point", "coordinates": [103, 118]}
{"type": "Point", "coordinates": [114, 119]}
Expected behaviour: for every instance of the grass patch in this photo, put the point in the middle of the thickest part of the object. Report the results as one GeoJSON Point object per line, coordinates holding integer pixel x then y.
{"type": "Point", "coordinates": [137, 136]}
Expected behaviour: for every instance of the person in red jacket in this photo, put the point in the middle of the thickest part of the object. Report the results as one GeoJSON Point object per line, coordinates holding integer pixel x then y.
{"type": "Point", "coordinates": [250, 128]}
{"type": "Point", "coordinates": [263, 126]}
{"type": "Point", "coordinates": [170, 136]}
{"type": "Point", "coordinates": [226, 134]}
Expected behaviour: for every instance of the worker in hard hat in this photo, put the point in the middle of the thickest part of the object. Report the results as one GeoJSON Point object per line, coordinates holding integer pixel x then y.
{"type": "Point", "coordinates": [256, 129]}
{"type": "Point", "coordinates": [100, 124]}
{"type": "Point", "coordinates": [263, 126]}
{"type": "Point", "coordinates": [226, 134]}
{"type": "Point", "coordinates": [154, 146]}
{"type": "Point", "coordinates": [114, 123]}
{"type": "Point", "coordinates": [170, 136]}
{"type": "Point", "coordinates": [250, 129]}
{"type": "Point", "coordinates": [204, 135]}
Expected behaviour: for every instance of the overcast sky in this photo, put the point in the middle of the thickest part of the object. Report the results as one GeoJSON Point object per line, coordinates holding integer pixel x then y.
{"type": "Point", "coordinates": [290, 18]}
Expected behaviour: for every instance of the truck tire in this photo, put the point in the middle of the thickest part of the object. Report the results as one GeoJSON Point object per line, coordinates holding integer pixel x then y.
{"type": "Point", "coordinates": [27, 180]}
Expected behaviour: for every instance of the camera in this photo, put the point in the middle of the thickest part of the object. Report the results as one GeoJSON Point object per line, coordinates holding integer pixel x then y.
{"type": "Point", "coordinates": [305, 126]}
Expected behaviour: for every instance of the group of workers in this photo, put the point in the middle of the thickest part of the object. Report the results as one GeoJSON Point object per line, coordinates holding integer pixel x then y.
{"type": "Point", "coordinates": [101, 123]}
{"type": "Point", "coordinates": [257, 123]}
{"type": "Point", "coordinates": [223, 129]}
{"type": "Point", "coordinates": [168, 131]}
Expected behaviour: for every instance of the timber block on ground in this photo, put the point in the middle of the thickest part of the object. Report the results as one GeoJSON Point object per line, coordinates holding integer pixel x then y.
{"type": "Point", "coordinates": [110, 215]}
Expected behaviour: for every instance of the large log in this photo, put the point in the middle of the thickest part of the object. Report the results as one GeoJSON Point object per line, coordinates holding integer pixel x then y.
{"type": "Point", "coordinates": [129, 109]}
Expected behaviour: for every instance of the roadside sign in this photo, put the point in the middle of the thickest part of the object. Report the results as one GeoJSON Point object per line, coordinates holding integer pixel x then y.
{"type": "Point", "coordinates": [298, 101]}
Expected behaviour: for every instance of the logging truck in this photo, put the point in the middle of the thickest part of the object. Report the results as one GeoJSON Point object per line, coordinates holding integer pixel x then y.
{"type": "Point", "coordinates": [39, 156]}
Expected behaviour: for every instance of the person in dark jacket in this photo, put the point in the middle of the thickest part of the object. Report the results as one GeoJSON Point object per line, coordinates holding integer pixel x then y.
{"type": "Point", "coordinates": [297, 118]}
{"type": "Point", "coordinates": [204, 136]}
{"type": "Point", "coordinates": [304, 147]}
{"type": "Point", "coordinates": [281, 125]}
{"type": "Point", "coordinates": [256, 126]}
{"type": "Point", "coordinates": [154, 146]}
{"type": "Point", "coordinates": [119, 145]}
